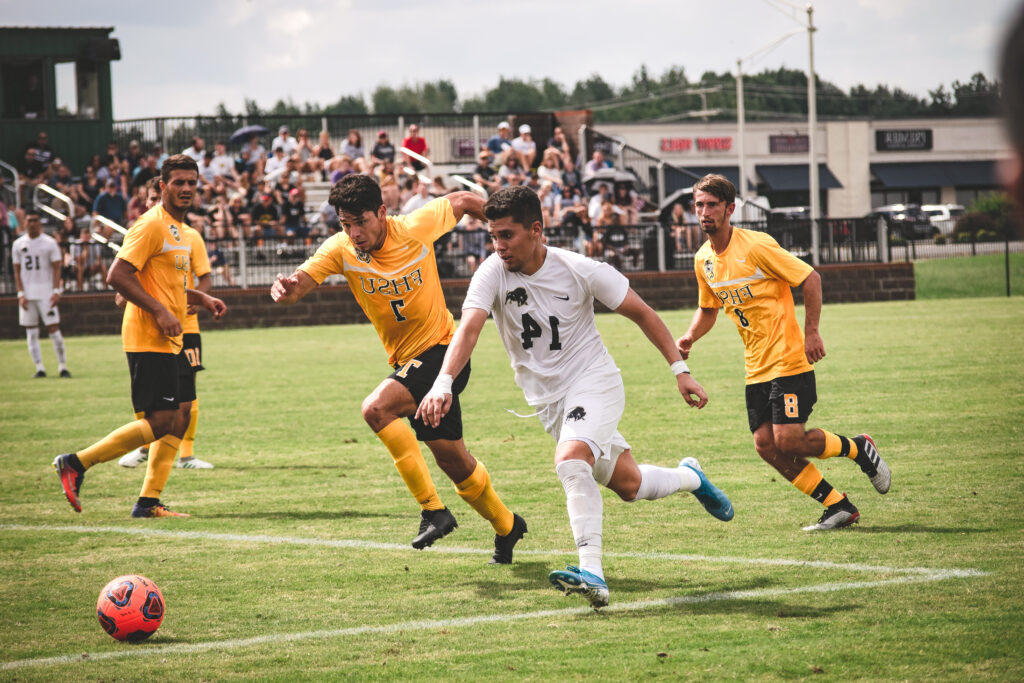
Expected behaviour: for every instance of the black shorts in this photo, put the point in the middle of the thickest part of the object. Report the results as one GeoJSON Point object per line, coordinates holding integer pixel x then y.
{"type": "Point", "coordinates": [160, 381]}
{"type": "Point", "coordinates": [418, 375]}
{"type": "Point", "coordinates": [781, 401]}
{"type": "Point", "coordinates": [192, 347]}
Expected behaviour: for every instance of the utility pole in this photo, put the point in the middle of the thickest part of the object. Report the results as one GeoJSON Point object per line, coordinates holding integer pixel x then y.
{"type": "Point", "coordinates": [812, 128]}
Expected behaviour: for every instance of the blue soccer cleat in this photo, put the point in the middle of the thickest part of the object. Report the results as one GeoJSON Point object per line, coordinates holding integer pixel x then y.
{"type": "Point", "coordinates": [710, 496]}
{"type": "Point", "coordinates": [576, 580]}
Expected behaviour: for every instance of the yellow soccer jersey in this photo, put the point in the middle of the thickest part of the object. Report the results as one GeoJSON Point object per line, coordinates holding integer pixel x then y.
{"type": "Point", "coordinates": [397, 286]}
{"type": "Point", "coordinates": [751, 279]}
{"type": "Point", "coordinates": [157, 247]}
{"type": "Point", "coordinates": [200, 267]}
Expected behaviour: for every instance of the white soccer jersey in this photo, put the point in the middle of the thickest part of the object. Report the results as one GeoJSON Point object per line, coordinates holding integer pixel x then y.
{"type": "Point", "coordinates": [36, 257]}
{"type": "Point", "coordinates": [546, 320]}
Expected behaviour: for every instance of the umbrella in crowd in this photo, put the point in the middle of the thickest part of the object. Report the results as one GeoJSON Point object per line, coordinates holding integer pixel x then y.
{"type": "Point", "coordinates": [610, 175]}
{"type": "Point", "coordinates": [245, 132]}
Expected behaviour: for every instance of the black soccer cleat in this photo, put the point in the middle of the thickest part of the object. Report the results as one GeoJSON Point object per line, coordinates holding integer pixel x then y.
{"type": "Point", "coordinates": [434, 524]}
{"type": "Point", "coordinates": [871, 463]}
{"type": "Point", "coordinates": [503, 545]}
{"type": "Point", "coordinates": [65, 373]}
{"type": "Point", "coordinates": [836, 516]}
{"type": "Point", "coordinates": [39, 374]}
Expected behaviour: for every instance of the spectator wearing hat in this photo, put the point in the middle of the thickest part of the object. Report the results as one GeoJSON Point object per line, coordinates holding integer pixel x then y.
{"type": "Point", "coordinates": [499, 144]}
{"type": "Point", "coordinates": [525, 146]}
{"type": "Point", "coordinates": [414, 142]}
{"type": "Point", "coordinates": [484, 174]}
{"type": "Point", "coordinates": [383, 150]}
{"type": "Point", "coordinates": [278, 162]}
{"type": "Point", "coordinates": [284, 141]}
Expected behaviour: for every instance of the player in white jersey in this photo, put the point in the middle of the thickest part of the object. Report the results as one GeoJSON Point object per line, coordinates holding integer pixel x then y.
{"type": "Point", "coordinates": [542, 299]}
{"type": "Point", "coordinates": [37, 261]}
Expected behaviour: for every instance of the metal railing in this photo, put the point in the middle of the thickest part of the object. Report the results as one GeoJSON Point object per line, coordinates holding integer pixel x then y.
{"type": "Point", "coordinates": [17, 182]}
{"type": "Point", "coordinates": [452, 138]}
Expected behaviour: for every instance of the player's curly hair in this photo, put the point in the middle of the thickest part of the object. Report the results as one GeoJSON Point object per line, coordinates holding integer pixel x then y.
{"type": "Point", "coordinates": [178, 162]}
{"type": "Point", "coordinates": [718, 186]}
{"type": "Point", "coordinates": [355, 194]}
{"type": "Point", "coordinates": [517, 202]}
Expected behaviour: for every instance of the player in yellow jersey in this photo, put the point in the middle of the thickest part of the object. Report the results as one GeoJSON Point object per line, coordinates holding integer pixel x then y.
{"type": "Point", "coordinates": [151, 271]}
{"type": "Point", "coordinates": [191, 341]}
{"type": "Point", "coordinates": [390, 267]}
{"type": "Point", "coordinates": [749, 275]}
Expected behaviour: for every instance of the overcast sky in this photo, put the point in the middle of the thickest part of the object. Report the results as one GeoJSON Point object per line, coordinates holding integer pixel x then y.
{"type": "Point", "coordinates": [183, 57]}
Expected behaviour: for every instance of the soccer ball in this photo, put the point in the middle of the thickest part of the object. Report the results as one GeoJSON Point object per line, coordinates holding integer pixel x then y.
{"type": "Point", "coordinates": [130, 608]}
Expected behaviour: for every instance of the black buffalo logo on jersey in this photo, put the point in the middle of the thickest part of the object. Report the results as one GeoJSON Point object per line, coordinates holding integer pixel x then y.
{"type": "Point", "coordinates": [174, 232]}
{"type": "Point", "coordinates": [516, 296]}
{"type": "Point", "coordinates": [576, 414]}
{"type": "Point", "coordinates": [709, 269]}
{"type": "Point", "coordinates": [363, 256]}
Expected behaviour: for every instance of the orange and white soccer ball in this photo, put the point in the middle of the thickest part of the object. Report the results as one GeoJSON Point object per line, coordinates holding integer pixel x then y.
{"type": "Point", "coordinates": [131, 608]}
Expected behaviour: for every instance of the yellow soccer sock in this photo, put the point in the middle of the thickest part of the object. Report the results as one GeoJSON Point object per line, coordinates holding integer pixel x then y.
{"type": "Point", "coordinates": [477, 491]}
{"type": "Point", "coordinates": [838, 445]}
{"type": "Point", "coordinates": [158, 467]}
{"type": "Point", "coordinates": [188, 441]}
{"type": "Point", "coordinates": [811, 482]}
{"type": "Point", "coordinates": [117, 443]}
{"type": "Point", "coordinates": [139, 416]}
{"type": "Point", "coordinates": [400, 441]}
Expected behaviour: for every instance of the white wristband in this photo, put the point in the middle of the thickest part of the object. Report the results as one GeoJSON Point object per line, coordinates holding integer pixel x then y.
{"type": "Point", "coordinates": [58, 291]}
{"type": "Point", "coordinates": [442, 385]}
{"type": "Point", "coordinates": [679, 367]}
{"type": "Point", "coordinates": [21, 294]}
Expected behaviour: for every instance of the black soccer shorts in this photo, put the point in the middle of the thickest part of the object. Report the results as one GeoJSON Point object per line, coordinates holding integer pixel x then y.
{"type": "Point", "coordinates": [418, 375]}
{"type": "Point", "coordinates": [783, 400]}
{"type": "Point", "coordinates": [160, 381]}
{"type": "Point", "coordinates": [192, 347]}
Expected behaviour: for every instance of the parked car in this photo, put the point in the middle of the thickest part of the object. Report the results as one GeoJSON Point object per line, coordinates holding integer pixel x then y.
{"type": "Point", "coordinates": [905, 220]}
{"type": "Point", "coordinates": [943, 216]}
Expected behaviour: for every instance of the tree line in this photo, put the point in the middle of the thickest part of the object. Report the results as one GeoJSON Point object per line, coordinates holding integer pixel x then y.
{"type": "Point", "coordinates": [771, 94]}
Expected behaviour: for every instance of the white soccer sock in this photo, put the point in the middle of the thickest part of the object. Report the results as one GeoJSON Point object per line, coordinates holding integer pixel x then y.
{"type": "Point", "coordinates": [33, 347]}
{"type": "Point", "coordinates": [659, 482]}
{"type": "Point", "coordinates": [58, 347]}
{"type": "Point", "coordinates": [583, 501]}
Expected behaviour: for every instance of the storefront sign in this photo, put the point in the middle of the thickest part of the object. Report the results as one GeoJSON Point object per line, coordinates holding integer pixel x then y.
{"type": "Point", "coordinates": [715, 144]}
{"type": "Point", "coordinates": [910, 139]}
{"type": "Point", "coordinates": [789, 144]}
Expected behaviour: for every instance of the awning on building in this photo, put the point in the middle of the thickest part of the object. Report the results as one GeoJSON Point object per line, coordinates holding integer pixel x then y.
{"type": "Point", "coordinates": [675, 180]}
{"type": "Point", "coordinates": [914, 174]}
{"type": "Point", "coordinates": [787, 177]}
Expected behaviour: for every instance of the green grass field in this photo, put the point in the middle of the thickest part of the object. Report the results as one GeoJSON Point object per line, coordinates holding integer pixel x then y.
{"type": "Point", "coordinates": [295, 564]}
{"type": "Point", "coordinates": [968, 276]}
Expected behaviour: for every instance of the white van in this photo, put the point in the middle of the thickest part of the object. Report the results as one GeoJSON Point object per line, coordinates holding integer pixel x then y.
{"type": "Point", "coordinates": [943, 216]}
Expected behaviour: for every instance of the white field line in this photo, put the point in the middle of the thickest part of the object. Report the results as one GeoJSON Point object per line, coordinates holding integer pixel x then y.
{"type": "Point", "coordinates": [374, 545]}
{"type": "Point", "coordinates": [437, 624]}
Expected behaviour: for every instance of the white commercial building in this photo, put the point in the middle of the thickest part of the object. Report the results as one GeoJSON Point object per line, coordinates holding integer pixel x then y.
{"type": "Point", "coordinates": [862, 163]}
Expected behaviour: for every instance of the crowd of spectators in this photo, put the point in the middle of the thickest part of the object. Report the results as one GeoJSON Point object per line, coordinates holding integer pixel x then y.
{"type": "Point", "coordinates": [259, 195]}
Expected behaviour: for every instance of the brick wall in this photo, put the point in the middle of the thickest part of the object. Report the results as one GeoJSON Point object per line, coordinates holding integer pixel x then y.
{"type": "Point", "coordinates": [96, 313]}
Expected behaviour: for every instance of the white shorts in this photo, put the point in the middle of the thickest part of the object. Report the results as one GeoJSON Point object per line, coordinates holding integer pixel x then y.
{"type": "Point", "coordinates": [38, 313]}
{"type": "Point", "coordinates": [590, 412]}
